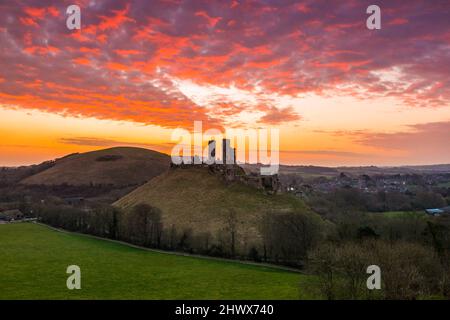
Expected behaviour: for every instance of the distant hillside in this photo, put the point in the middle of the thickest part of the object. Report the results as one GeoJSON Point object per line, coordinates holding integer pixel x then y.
{"type": "Point", "coordinates": [441, 168]}
{"type": "Point", "coordinates": [316, 171]}
{"type": "Point", "coordinates": [12, 175]}
{"type": "Point", "coordinates": [285, 169]}
{"type": "Point", "coordinates": [197, 200]}
{"type": "Point", "coordinates": [120, 166]}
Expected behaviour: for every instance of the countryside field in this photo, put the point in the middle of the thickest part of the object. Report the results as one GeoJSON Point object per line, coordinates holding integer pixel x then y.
{"type": "Point", "coordinates": [34, 258]}
{"type": "Point", "coordinates": [405, 214]}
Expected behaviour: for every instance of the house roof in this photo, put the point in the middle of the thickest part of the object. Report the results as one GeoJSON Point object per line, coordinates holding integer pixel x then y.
{"type": "Point", "coordinates": [434, 210]}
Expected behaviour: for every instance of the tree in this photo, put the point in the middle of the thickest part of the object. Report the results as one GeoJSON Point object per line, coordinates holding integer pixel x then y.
{"type": "Point", "coordinates": [144, 225]}
{"type": "Point", "coordinates": [288, 236]}
{"type": "Point", "coordinates": [408, 270]}
{"type": "Point", "coordinates": [323, 263]}
{"type": "Point", "coordinates": [352, 262]}
{"type": "Point", "coordinates": [439, 230]}
{"type": "Point", "coordinates": [231, 229]}
{"type": "Point", "coordinates": [426, 200]}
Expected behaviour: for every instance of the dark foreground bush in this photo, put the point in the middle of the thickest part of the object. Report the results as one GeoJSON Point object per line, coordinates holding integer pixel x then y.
{"type": "Point", "coordinates": [408, 270]}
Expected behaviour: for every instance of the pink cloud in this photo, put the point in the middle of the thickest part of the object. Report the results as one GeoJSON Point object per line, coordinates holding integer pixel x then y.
{"type": "Point", "coordinates": [278, 116]}
{"type": "Point", "coordinates": [425, 143]}
{"type": "Point", "coordinates": [126, 49]}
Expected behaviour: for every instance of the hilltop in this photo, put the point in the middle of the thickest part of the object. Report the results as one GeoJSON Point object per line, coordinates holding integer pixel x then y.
{"type": "Point", "coordinates": [119, 166]}
{"type": "Point", "coordinates": [202, 203]}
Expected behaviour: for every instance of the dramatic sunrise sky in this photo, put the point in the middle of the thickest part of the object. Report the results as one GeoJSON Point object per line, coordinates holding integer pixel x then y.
{"type": "Point", "coordinates": [339, 93]}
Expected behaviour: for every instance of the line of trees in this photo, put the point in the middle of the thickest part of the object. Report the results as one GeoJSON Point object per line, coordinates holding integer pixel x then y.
{"type": "Point", "coordinates": [286, 237]}
{"type": "Point", "coordinates": [351, 199]}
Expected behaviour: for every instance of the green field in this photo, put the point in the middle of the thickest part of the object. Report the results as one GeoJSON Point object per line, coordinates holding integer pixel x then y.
{"type": "Point", "coordinates": [34, 258]}
{"type": "Point", "coordinates": [444, 184]}
{"type": "Point", "coordinates": [404, 214]}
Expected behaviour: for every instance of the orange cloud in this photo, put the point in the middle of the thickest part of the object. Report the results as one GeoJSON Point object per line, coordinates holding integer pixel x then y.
{"type": "Point", "coordinates": [255, 47]}
{"type": "Point", "coordinates": [28, 21]}
{"type": "Point", "coordinates": [115, 21]}
{"type": "Point", "coordinates": [126, 53]}
{"type": "Point", "coordinates": [212, 21]}
{"type": "Point", "coordinates": [41, 50]}
{"type": "Point", "coordinates": [35, 14]}
{"type": "Point", "coordinates": [95, 51]}
{"type": "Point", "coordinates": [277, 116]}
{"type": "Point", "coordinates": [117, 66]}
{"type": "Point", "coordinates": [38, 13]}
{"type": "Point", "coordinates": [82, 61]}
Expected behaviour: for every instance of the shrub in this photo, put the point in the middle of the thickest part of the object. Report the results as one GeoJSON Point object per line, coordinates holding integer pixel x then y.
{"type": "Point", "coordinates": [408, 270]}
{"type": "Point", "coordinates": [111, 157]}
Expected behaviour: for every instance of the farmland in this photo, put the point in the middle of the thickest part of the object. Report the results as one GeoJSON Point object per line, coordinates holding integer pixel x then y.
{"type": "Point", "coordinates": [34, 259]}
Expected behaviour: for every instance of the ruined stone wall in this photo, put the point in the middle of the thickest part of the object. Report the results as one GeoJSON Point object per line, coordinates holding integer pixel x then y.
{"type": "Point", "coordinates": [234, 173]}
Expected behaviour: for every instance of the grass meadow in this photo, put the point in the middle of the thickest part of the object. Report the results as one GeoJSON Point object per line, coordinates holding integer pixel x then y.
{"type": "Point", "coordinates": [34, 258]}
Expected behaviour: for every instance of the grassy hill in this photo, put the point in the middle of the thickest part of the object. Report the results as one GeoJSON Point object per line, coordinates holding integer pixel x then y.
{"type": "Point", "coordinates": [120, 166]}
{"type": "Point", "coordinates": [34, 259]}
{"type": "Point", "coordinates": [194, 199]}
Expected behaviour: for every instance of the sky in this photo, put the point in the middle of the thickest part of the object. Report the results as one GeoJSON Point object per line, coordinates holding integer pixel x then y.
{"type": "Point", "coordinates": [339, 93]}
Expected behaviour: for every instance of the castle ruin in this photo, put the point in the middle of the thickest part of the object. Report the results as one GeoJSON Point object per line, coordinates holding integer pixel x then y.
{"type": "Point", "coordinates": [226, 167]}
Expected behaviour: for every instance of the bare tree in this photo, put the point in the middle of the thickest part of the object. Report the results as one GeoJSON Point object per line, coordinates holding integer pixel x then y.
{"type": "Point", "coordinates": [145, 225]}
{"type": "Point", "coordinates": [231, 230]}
{"type": "Point", "coordinates": [288, 236]}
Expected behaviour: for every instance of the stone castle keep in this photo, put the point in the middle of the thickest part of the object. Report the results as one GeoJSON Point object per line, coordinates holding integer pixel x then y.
{"type": "Point", "coordinates": [225, 166]}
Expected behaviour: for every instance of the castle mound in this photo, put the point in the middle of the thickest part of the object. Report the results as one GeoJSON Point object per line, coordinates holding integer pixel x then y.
{"type": "Point", "coordinates": [202, 204]}
{"type": "Point", "coordinates": [120, 166]}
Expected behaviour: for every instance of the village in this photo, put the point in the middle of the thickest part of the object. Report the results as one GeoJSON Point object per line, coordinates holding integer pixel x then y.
{"type": "Point", "coordinates": [372, 183]}
{"type": "Point", "coordinates": [405, 190]}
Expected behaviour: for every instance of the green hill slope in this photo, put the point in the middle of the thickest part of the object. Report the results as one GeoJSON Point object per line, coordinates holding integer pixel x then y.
{"type": "Point", "coordinates": [34, 260]}
{"type": "Point", "coordinates": [121, 166]}
{"type": "Point", "coordinates": [193, 199]}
